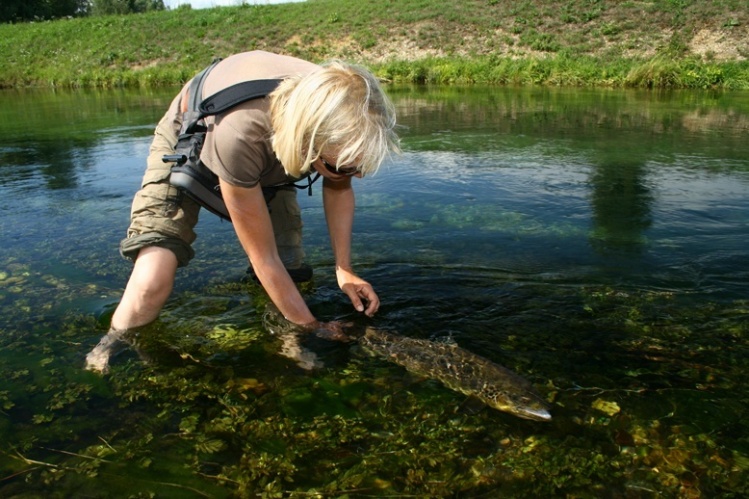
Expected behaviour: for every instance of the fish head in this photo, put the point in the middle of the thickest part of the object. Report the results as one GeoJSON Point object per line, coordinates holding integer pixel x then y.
{"type": "Point", "coordinates": [524, 403]}
{"type": "Point", "coordinates": [535, 412]}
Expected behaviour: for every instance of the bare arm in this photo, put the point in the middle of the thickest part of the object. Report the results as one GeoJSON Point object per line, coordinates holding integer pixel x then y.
{"type": "Point", "coordinates": [252, 224]}
{"type": "Point", "coordinates": [339, 202]}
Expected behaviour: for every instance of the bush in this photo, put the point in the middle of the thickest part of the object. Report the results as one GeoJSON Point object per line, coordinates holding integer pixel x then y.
{"type": "Point", "coordinates": [109, 7]}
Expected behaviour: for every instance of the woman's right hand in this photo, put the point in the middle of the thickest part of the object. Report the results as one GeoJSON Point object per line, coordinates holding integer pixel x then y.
{"type": "Point", "coordinates": [332, 330]}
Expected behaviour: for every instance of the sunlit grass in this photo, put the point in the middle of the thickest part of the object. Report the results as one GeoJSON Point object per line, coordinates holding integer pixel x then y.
{"type": "Point", "coordinates": [576, 42]}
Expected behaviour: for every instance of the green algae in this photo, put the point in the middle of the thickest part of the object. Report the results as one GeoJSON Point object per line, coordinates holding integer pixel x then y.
{"type": "Point", "coordinates": [215, 411]}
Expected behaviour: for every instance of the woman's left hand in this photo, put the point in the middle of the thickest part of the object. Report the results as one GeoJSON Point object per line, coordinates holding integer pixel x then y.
{"type": "Point", "coordinates": [359, 291]}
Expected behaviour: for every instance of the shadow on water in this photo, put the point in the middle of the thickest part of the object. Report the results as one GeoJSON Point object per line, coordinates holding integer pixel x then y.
{"type": "Point", "coordinates": [594, 242]}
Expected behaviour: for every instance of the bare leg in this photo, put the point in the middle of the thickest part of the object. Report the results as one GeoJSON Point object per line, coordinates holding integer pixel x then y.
{"type": "Point", "coordinates": [286, 218]}
{"type": "Point", "coordinates": [146, 292]}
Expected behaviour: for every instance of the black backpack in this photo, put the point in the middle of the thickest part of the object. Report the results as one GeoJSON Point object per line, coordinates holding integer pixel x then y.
{"type": "Point", "coordinates": [189, 174]}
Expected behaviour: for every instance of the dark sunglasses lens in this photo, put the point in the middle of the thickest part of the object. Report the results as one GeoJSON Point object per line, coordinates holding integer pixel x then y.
{"type": "Point", "coordinates": [351, 170]}
{"type": "Point", "coordinates": [329, 167]}
{"type": "Point", "coordinates": [348, 171]}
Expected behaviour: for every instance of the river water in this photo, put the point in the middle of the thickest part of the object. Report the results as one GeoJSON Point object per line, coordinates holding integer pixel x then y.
{"type": "Point", "coordinates": [596, 242]}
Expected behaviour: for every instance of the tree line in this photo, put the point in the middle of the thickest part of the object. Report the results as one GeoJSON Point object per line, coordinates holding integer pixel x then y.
{"type": "Point", "coordinates": [38, 10]}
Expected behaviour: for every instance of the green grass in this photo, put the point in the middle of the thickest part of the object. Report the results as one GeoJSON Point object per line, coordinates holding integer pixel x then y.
{"type": "Point", "coordinates": [572, 42]}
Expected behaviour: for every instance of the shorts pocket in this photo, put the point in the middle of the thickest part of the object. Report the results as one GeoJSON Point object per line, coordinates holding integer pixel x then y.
{"type": "Point", "coordinates": [157, 198]}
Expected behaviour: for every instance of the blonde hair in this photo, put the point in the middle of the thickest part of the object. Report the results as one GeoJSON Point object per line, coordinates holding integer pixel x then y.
{"type": "Point", "coordinates": [340, 108]}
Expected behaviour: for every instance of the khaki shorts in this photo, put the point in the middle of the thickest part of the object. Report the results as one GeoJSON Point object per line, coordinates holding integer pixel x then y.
{"type": "Point", "coordinates": [161, 216]}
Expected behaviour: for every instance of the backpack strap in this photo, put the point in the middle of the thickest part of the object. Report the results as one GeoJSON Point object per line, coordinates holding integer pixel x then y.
{"type": "Point", "coordinates": [191, 116]}
{"type": "Point", "coordinates": [222, 100]}
{"type": "Point", "coordinates": [196, 86]}
{"type": "Point", "coordinates": [234, 95]}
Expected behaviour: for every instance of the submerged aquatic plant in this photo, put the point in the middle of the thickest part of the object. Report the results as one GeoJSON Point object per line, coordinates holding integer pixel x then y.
{"type": "Point", "coordinates": [656, 403]}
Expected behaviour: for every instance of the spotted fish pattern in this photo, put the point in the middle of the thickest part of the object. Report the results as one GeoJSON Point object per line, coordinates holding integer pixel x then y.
{"type": "Point", "coordinates": [460, 370]}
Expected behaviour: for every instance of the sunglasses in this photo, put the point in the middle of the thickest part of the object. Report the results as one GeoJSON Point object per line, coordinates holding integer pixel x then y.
{"type": "Point", "coordinates": [347, 171]}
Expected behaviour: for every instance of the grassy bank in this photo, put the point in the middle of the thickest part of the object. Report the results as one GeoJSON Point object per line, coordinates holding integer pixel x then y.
{"type": "Point", "coordinates": [658, 43]}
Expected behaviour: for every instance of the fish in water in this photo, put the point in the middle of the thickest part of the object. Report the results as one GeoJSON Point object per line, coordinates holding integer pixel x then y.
{"type": "Point", "coordinates": [456, 368]}
{"type": "Point", "coordinates": [460, 370]}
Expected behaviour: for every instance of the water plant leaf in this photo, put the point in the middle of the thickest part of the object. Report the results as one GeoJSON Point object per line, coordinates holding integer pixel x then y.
{"type": "Point", "coordinates": [606, 406]}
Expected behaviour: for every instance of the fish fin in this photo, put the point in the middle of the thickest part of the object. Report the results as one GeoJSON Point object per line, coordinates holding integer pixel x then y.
{"type": "Point", "coordinates": [448, 340]}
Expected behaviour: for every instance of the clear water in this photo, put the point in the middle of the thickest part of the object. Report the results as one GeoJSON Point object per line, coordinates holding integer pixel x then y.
{"type": "Point", "coordinates": [594, 241]}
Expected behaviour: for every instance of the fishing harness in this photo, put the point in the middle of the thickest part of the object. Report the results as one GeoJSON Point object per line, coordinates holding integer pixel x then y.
{"type": "Point", "coordinates": [189, 173]}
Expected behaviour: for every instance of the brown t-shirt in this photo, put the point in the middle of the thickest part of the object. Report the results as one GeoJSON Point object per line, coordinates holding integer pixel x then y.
{"type": "Point", "coordinates": [237, 146]}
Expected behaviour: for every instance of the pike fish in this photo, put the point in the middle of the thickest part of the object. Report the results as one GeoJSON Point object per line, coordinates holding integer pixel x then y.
{"type": "Point", "coordinates": [460, 370]}
{"type": "Point", "coordinates": [455, 367]}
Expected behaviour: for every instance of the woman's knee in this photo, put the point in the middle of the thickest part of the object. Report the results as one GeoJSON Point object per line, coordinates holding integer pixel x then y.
{"type": "Point", "coordinates": [154, 271]}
